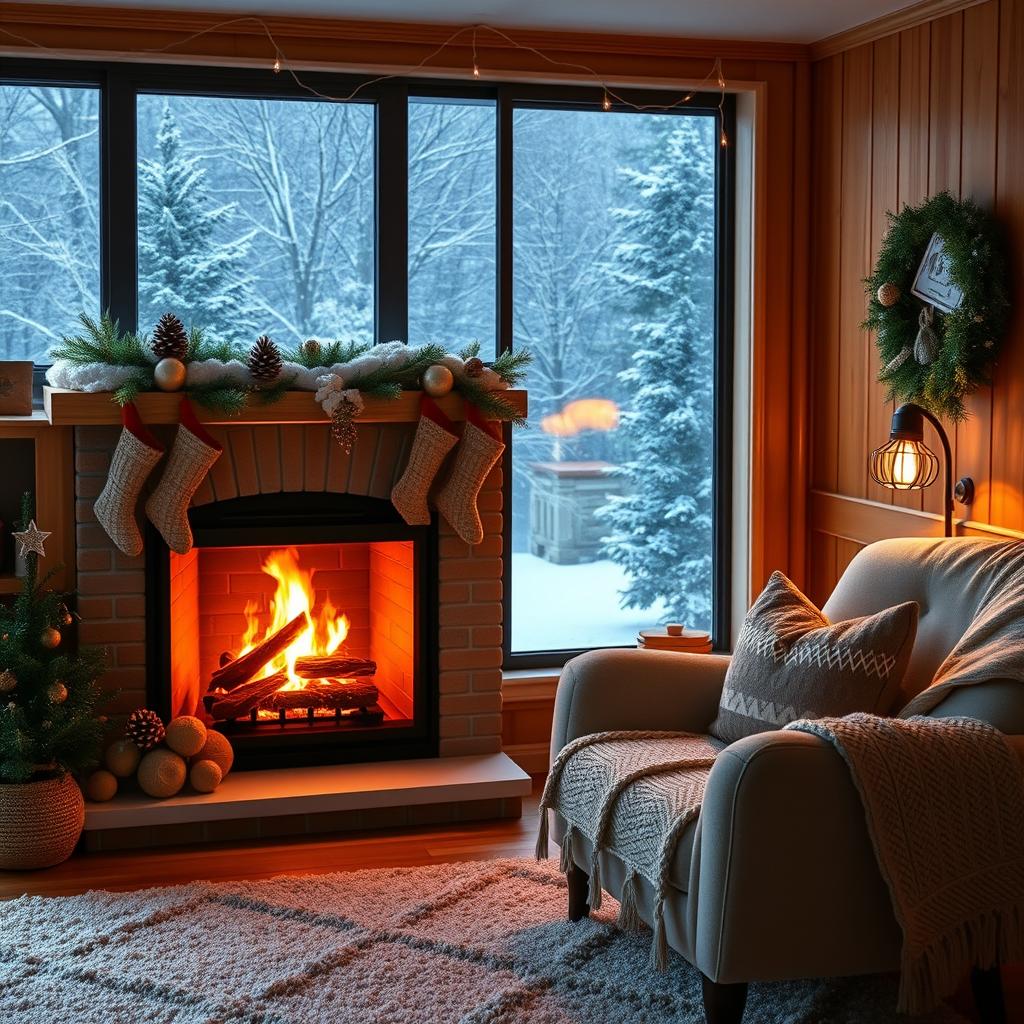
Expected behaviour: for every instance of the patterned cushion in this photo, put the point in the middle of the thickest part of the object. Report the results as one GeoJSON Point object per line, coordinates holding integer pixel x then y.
{"type": "Point", "coordinates": [790, 662]}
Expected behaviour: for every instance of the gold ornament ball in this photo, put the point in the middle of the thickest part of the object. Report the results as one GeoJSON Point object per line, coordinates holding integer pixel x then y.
{"type": "Point", "coordinates": [889, 294]}
{"type": "Point", "coordinates": [101, 786]}
{"type": "Point", "coordinates": [185, 735]}
{"type": "Point", "coordinates": [8, 681]}
{"type": "Point", "coordinates": [161, 773]}
{"type": "Point", "coordinates": [57, 692]}
{"type": "Point", "coordinates": [169, 374]}
{"type": "Point", "coordinates": [205, 776]}
{"type": "Point", "coordinates": [437, 381]}
{"type": "Point", "coordinates": [122, 758]}
{"type": "Point", "coordinates": [50, 637]}
{"type": "Point", "coordinates": [216, 749]}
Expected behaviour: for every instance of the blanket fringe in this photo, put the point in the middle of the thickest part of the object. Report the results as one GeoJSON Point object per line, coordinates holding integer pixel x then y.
{"type": "Point", "coordinates": [541, 850]}
{"type": "Point", "coordinates": [929, 975]}
{"type": "Point", "coordinates": [596, 894]}
{"type": "Point", "coordinates": [566, 862]}
{"type": "Point", "coordinates": [629, 911]}
{"type": "Point", "coordinates": [659, 947]}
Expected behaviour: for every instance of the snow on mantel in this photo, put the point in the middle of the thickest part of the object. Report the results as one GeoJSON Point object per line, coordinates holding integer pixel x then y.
{"type": "Point", "coordinates": [75, 408]}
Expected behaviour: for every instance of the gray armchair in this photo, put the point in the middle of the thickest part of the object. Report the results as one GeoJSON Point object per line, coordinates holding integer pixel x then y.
{"type": "Point", "coordinates": [777, 878]}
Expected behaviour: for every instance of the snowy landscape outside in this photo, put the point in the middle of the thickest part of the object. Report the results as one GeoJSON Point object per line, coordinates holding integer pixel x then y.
{"type": "Point", "coordinates": [257, 216]}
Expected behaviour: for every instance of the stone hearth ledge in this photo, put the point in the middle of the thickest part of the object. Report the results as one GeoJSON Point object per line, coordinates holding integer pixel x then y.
{"type": "Point", "coordinates": [325, 788]}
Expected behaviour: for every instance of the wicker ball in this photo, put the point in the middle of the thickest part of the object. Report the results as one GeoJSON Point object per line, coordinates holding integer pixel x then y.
{"type": "Point", "coordinates": [205, 776]}
{"type": "Point", "coordinates": [216, 749]}
{"type": "Point", "coordinates": [122, 758]}
{"type": "Point", "coordinates": [40, 822]}
{"type": "Point", "coordinates": [101, 786]}
{"type": "Point", "coordinates": [185, 735]}
{"type": "Point", "coordinates": [161, 773]}
{"type": "Point", "coordinates": [889, 294]}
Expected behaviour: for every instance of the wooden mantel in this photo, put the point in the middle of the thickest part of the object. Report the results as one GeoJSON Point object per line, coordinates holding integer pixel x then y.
{"type": "Point", "coordinates": [75, 408]}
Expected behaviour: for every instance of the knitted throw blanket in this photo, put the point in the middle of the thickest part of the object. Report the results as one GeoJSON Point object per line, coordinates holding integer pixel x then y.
{"type": "Point", "coordinates": [632, 793]}
{"type": "Point", "coordinates": [944, 802]}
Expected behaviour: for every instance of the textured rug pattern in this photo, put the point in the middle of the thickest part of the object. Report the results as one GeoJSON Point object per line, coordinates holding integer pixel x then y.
{"type": "Point", "coordinates": [472, 943]}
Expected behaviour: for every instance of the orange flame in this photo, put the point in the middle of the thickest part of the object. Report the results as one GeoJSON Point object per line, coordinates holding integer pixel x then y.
{"type": "Point", "coordinates": [293, 596]}
{"type": "Point", "coordinates": [582, 414]}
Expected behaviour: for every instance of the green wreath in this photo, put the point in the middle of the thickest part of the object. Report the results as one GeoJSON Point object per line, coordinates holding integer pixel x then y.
{"type": "Point", "coordinates": [948, 365]}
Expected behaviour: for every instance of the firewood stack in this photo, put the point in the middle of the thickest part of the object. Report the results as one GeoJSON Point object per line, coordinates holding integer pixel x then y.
{"type": "Point", "coordinates": [335, 682]}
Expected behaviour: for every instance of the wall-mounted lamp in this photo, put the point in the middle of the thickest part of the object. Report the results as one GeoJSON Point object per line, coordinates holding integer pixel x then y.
{"type": "Point", "coordinates": [906, 463]}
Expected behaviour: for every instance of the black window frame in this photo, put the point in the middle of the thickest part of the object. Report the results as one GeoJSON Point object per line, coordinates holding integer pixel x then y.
{"type": "Point", "coordinates": [121, 83]}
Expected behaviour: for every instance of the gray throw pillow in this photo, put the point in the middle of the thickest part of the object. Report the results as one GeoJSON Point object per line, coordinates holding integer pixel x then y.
{"type": "Point", "coordinates": [790, 662]}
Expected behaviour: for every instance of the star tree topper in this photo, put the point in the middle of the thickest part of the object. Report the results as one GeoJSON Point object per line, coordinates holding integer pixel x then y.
{"type": "Point", "coordinates": [32, 540]}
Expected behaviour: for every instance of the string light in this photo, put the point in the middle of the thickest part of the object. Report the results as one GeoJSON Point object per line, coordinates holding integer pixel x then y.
{"type": "Point", "coordinates": [610, 95]}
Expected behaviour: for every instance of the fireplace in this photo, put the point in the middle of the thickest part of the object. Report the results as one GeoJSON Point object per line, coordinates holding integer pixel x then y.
{"type": "Point", "coordinates": [298, 626]}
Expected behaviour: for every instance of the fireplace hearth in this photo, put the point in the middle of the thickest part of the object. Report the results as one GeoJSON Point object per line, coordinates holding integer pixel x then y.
{"type": "Point", "coordinates": [298, 625]}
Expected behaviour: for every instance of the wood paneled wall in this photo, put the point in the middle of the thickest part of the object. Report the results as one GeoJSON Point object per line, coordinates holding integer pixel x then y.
{"type": "Point", "coordinates": [936, 106]}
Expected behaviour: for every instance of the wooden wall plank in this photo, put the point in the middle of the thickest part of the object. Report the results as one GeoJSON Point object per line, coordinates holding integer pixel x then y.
{"type": "Point", "coordinates": [979, 114]}
{"type": "Point", "coordinates": [885, 166]}
{"type": "Point", "coordinates": [854, 266]}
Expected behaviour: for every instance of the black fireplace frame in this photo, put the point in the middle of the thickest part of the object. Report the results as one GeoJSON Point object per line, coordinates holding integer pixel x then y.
{"type": "Point", "coordinates": [295, 519]}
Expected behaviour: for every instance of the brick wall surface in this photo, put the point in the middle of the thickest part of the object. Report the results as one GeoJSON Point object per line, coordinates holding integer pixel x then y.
{"type": "Point", "coordinates": [271, 459]}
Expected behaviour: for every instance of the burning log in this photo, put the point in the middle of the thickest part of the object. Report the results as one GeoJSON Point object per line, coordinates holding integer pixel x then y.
{"type": "Point", "coordinates": [244, 668]}
{"type": "Point", "coordinates": [331, 693]}
{"type": "Point", "coordinates": [245, 697]}
{"type": "Point", "coordinates": [333, 666]}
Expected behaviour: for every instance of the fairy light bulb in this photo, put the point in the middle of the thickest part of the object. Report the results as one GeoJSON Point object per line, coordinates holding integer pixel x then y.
{"type": "Point", "coordinates": [476, 70]}
{"type": "Point", "coordinates": [723, 139]}
{"type": "Point", "coordinates": [607, 102]}
{"type": "Point", "coordinates": [277, 65]}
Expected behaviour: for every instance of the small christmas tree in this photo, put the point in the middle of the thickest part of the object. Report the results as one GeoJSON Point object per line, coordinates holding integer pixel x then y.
{"type": "Point", "coordinates": [48, 695]}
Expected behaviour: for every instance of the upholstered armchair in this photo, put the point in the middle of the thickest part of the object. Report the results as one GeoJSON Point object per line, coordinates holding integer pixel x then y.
{"type": "Point", "coordinates": [777, 878]}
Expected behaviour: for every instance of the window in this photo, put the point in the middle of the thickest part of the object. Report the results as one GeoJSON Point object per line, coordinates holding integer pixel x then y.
{"type": "Point", "coordinates": [49, 214]}
{"type": "Point", "coordinates": [614, 264]}
{"type": "Point", "coordinates": [512, 216]}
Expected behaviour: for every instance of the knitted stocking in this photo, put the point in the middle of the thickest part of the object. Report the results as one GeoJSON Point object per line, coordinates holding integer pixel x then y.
{"type": "Point", "coordinates": [478, 453]}
{"type": "Point", "coordinates": [433, 441]}
{"type": "Point", "coordinates": [194, 452]}
{"type": "Point", "coordinates": [136, 454]}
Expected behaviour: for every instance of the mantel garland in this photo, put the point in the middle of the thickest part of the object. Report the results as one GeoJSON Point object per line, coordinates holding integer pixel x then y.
{"type": "Point", "coordinates": [219, 376]}
{"type": "Point", "coordinates": [968, 336]}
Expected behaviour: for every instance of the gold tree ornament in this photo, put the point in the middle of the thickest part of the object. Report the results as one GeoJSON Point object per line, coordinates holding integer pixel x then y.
{"type": "Point", "coordinates": [57, 692]}
{"type": "Point", "coordinates": [311, 349]}
{"type": "Point", "coordinates": [50, 638]}
{"type": "Point", "coordinates": [8, 681]}
{"type": "Point", "coordinates": [438, 380]}
{"type": "Point", "coordinates": [169, 374]}
{"type": "Point", "coordinates": [32, 539]}
{"type": "Point", "coordinates": [888, 294]}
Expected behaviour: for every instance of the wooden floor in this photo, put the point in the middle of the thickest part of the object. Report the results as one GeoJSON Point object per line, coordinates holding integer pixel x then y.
{"type": "Point", "coordinates": [135, 869]}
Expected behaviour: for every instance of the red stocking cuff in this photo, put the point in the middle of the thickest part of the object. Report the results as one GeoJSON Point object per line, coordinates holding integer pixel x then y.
{"type": "Point", "coordinates": [432, 411]}
{"type": "Point", "coordinates": [132, 421]}
{"type": "Point", "coordinates": [188, 419]}
{"type": "Point", "coordinates": [477, 418]}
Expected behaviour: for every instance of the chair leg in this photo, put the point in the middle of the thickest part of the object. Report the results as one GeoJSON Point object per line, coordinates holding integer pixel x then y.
{"type": "Point", "coordinates": [579, 890]}
{"type": "Point", "coordinates": [987, 986]}
{"type": "Point", "coordinates": [723, 1004]}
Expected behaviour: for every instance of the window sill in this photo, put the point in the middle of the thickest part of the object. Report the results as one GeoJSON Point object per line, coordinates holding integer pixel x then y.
{"type": "Point", "coordinates": [529, 685]}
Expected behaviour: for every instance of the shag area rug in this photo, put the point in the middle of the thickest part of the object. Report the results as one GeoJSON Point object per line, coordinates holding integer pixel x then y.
{"type": "Point", "coordinates": [471, 943]}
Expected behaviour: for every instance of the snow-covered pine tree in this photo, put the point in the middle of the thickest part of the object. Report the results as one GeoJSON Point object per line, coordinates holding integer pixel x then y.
{"type": "Point", "coordinates": [660, 531]}
{"type": "Point", "coordinates": [182, 267]}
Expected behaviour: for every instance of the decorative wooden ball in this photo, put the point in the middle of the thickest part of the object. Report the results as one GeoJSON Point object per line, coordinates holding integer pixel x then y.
{"type": "Point", "coordinates": [169, 374]}
{"type": "Point", "coordinates": [218, 749]}
{"type": "Point", "coordinates": [889, 294]}
{"type": "Point", "coordinates": [185, 735]}
{"type": "Point", "coordinates": [101, 786]}
{"type": "Point", "coordinates": [8, 681]}
{"type": "Point", "coordinates": [205, 776]}
{"type": "Point", "coordinates": [50, 637]}
{"type": "Point", "coordinates": [122, 757]}
{"type": "Point", "coordinates": [57, 692]}
{"type": "Point", "coordinates": [161, 773]}
{"type": "Point", "coordinates": [437, 380]}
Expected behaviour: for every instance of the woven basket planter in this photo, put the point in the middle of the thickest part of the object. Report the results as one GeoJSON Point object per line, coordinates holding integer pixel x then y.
{"type": "Point", "coordinates": [40, 822]}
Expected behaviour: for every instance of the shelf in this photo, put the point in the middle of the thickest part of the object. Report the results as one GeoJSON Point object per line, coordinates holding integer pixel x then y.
{"type": "Point", "coordinates": [75, 408]}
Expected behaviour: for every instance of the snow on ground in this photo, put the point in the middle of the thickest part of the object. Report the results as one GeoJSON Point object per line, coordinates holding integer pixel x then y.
{"type": "Point", "coordinates": [564, 607]}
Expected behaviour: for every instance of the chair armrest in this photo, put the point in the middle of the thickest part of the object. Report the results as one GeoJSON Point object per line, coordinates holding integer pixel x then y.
{"type": "Point", "coordinates": [787, 880]}
{"type": "Point", "coordinates": [635, 689]}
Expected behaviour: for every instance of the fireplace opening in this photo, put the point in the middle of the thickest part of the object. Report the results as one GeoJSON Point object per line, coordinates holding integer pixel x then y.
{"type": "Point", "coordinates": [296, 626]}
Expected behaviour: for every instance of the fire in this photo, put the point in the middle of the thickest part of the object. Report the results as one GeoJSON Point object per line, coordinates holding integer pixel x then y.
{"type": "Point", "coordinates": [582, 414]}
{"type": "Point", "coordinates": [293, 596]}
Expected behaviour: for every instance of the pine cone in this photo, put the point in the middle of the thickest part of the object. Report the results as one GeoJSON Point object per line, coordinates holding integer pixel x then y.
{"type": "Point", "coordinates": [144, 728]}
{"type": "Point", "coordinates": [170, 339]}
{"type": "Point", "coordinates": [312, 350]}
{"type": "Point", "coordinates": [264, 362]}
{"type": "Point", "coordinates": [474, 367]}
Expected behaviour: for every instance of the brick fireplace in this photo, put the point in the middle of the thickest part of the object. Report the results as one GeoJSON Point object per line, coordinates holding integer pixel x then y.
{"type": "Point", "coordinates": [425, 607]}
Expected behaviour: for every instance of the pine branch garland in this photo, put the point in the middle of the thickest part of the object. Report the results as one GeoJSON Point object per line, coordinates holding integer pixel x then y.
{"type": "Point", "coordinates": [102, 342]}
